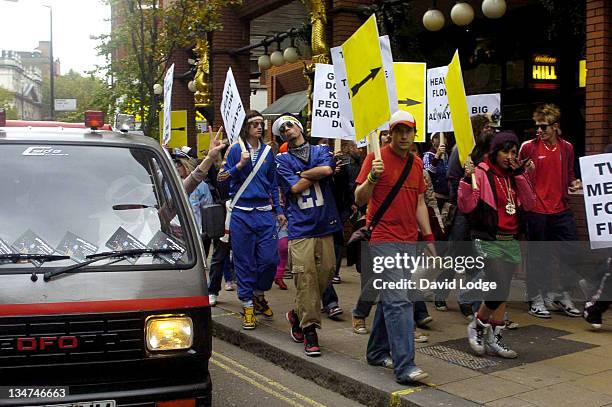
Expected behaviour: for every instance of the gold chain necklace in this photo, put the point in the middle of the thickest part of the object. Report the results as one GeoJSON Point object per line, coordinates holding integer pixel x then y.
{"type": "Point", "coordinates": [510, 204]}
{"type": "Point", "coordinates": [553, 149]}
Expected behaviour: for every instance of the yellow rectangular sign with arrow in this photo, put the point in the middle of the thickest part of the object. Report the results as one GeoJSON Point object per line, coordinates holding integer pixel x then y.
{"type": "Point", "coordinates": [459, 109]}
{"type": "Point", "coordinates": [410, 88]}
{"type": "Point", "coordinates": [179, 128]}
{"type": "Point", "coordinates": [366, 79]}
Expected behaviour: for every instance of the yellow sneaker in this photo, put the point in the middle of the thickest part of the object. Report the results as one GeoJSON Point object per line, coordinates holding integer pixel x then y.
{"type": "Point", "coordinates": [248, 319]}
{"type": "Point", "coordinates": [262, 307]}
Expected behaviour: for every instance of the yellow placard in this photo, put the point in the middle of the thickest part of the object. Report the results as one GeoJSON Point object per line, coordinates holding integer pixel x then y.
{"type": "Point", "coordinates": [203, 144]}
{"type": "Point", "coordinates": [582, 73]}
{"type": "Point", "coordinates": [410, 88]}
{"type": "Point", "coordinates": [178, 135]}
{"type": "Point", "coordinates": [366, 79]}
{"type": "Point", "coordinates": [459, 109]}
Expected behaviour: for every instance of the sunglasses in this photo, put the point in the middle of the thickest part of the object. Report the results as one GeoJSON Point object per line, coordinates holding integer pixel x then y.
{"type": "Point", "coordinates": [257, 124]}
{"type": "Point", "coordinates": [543, 127]}
{"type": "Point", "coordinates": [286, 126]}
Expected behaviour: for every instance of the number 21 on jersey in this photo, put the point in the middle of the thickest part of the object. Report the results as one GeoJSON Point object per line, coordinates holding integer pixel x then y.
{"type": "Point", "coordinates": [307, 201]}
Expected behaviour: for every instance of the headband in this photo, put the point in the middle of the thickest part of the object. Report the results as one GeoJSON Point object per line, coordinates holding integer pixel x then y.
{"type": "Point", "coordinates": [255, 118]}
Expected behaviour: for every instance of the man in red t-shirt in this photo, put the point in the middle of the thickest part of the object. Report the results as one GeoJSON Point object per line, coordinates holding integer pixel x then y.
{"type": "Point", "coordinates": [391, 342]}
{"type": "Point", "coordinates": [551, 174]}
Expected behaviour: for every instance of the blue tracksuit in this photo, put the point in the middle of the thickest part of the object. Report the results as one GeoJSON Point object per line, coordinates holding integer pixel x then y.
{"type": "Point", "coordinates": [253, 224]}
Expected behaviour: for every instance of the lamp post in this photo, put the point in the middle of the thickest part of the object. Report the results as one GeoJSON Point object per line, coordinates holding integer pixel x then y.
{"type": "Point", "coordinates": [51, 64]}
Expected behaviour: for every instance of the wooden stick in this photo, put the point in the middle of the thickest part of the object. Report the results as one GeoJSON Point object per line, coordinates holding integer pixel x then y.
{"type": "Point", "coordinates": [473, 175]}
{"type": "Point", "coordinates": [242, 146]}
{"type": "Point", "coordinates": [442, 140]}
{"type": "Point", "coordinates": [375, 144]}
{"type": "Point", "coordinates": [337, 145]}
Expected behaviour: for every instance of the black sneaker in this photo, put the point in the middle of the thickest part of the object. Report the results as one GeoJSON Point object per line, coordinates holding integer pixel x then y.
{"type": "Point", "coordinates": [311, 342]}
{"type": "Point", "coordinates": [440, 305]}
{"type": "Point", "coordinates": [334, 313]}
{"type": "Point", "coordinates": [466, 311]}
{"type": "Point", "coordinates": [262, 308]}
{"type": "Point", "coordinates": [421, 323]}
{"type": "Point", "coordinates": [592, 315]}
{"type": "Point", "coordinates": [296, 332]}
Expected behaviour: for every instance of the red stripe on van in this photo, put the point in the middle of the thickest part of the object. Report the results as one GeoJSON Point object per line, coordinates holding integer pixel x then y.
{"type": "Point", "coordinates": [85, 307]}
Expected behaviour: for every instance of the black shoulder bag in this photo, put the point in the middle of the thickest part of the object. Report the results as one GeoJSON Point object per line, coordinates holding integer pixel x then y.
{"type": "Point", "coordinates": [364, 233]}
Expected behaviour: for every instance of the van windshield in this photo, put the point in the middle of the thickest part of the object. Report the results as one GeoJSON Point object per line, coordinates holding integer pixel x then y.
{"type": "Point", "coordinates": [80, 200]}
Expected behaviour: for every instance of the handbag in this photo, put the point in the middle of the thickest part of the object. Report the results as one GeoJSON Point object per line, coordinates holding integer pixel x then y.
{"type": "Point", "coordinates": [213, 220]}
{"type": "Point", "coordinates": [365, 233]}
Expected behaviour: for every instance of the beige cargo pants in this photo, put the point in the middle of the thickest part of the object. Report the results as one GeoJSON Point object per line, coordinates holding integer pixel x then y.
{"type": "Point", "coordinates": [313, 262]}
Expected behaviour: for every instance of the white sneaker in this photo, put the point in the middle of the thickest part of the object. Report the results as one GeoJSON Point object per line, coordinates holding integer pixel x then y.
{"type": "Point", "coordinates": [477, 332]}
{"type": "Point", "coordinates": [212, 300]}
{"type": "Point", "coordinates": [418, 374]}
{"type": "Point", "coordinates": [387, 363]}
{"type": "Point", "coordinates": [537, 308]}
{"type": "Point", "coordinates": [564, 303]}
{"type": "Point", "coordinates": [495, 345]}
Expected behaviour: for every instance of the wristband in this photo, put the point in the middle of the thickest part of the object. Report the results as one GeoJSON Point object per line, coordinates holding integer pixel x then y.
{"type": "Point", "coordinates": [429, 238]}
{"type": "Point", "coordinates": [374, 176]}
{"type": "Point", "coordinates": [371, 179]}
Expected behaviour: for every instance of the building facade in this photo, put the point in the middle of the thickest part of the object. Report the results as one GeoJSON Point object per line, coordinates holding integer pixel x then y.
{"type": "Point", "coordinates": [537, 52]}
{"type": "Point", "coordinates": [24, 82]}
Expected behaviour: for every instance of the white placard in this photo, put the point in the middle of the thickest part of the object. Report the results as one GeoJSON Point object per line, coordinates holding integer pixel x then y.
{"type": "Point", "coordinates": [484, 104]}
{"type": "Point", "coordinates": [326, 120]}
{"type": "Point", "coordinates": [438, 109]}
{"type": "Point", "coordinates": [597, 182]}
{"type": "Point", "coordinates": [346, 112]}
{"type": "Point", "coordinates": [65, 105]}
{"type": "Point", "coordinates": [168, 80]}
{"type": "Point", "coordinates": [232, 109]}
{"type": "Point", "coordinates": [387, 61]}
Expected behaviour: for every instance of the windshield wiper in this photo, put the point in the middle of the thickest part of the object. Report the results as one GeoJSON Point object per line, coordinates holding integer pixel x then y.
{"type": "Point", "coordinates": [92, 258]}
{"type": "Point", "coordinates": [15, 257]}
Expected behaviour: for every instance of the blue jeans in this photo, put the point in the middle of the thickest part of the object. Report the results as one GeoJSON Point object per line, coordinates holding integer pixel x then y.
{"type": "Point", "coordinates": [220, 259]}
{"type": "Point", "coordinates": [392, 332]}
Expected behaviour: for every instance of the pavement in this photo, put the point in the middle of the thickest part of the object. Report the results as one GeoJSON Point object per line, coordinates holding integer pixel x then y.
{"type": "Point", "coordinates": [561, 362]}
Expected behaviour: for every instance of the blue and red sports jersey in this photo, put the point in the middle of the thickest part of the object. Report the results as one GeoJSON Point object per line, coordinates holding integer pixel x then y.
{"type": "Point", "coordinates": [312, 213]}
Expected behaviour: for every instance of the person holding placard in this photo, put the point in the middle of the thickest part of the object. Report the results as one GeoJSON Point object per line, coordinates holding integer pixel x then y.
{"type": "Point", "coordinates": [494, 211]}
{"type": "Point", "coordinates": [395, 183]}
{"type": "Point", "coordinates": [305, 173]}
{"type": "Point", "coordinates": [255, 202]}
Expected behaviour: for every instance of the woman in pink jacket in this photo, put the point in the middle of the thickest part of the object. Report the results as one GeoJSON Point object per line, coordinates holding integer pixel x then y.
{"type": "Point", "coordinates": [494, 209]}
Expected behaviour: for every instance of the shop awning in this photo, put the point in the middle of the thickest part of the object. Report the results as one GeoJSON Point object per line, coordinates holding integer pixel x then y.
{"type": "Point", "coordinates": [290, 103]}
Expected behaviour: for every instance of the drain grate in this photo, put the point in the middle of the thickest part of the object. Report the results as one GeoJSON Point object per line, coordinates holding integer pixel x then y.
{"type": "Point", "coordinates": [457, 357]}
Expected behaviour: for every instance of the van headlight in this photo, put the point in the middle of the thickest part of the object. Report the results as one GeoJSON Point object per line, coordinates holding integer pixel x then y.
{"type": "Point", "coordinates": [169, 333]}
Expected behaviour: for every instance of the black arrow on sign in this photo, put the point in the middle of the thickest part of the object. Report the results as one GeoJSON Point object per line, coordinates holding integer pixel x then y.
{"type": "Point", "coordinates": [178, 128]}
{"type": "Point", "coordinates": [371, 75]}
{"type": "Point", "coordinates": [408, 102]}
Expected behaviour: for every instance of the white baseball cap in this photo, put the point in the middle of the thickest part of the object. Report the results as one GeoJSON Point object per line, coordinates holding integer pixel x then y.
{"type": "Point", "coordinates": [402, 117]}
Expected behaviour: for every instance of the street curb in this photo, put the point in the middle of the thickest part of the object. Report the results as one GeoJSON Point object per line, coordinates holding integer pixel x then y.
{"type": "Point", "coordinates": [368, 385]}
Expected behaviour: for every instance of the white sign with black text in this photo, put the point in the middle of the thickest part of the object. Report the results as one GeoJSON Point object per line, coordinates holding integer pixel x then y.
{"type": "Point", "coordinates": [596, 173]}
{"type": "Point", "coordinates": [232, 109]}
{"type": "Point", "coordinates": [168, 80]}
{"type": "Point", "coordinates": [344, 102]}
{"type": "Point", "coordinates": [387, 60]}
{"type": "Point", "coordinates": [326, 119]}
{"type": "Point", "coordinates": [438, 109]}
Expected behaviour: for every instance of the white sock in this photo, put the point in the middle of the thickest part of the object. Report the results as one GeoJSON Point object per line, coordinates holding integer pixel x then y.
{"type": "Point", "coordinates": [247, 304]}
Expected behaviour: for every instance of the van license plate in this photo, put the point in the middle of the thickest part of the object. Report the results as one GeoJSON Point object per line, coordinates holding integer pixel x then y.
{"type": "Point", "coordinates": [104, 403]}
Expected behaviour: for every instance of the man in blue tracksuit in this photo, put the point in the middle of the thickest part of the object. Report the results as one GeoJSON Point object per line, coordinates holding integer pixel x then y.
{"type": "Point", "coordinates": [253, 218]}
